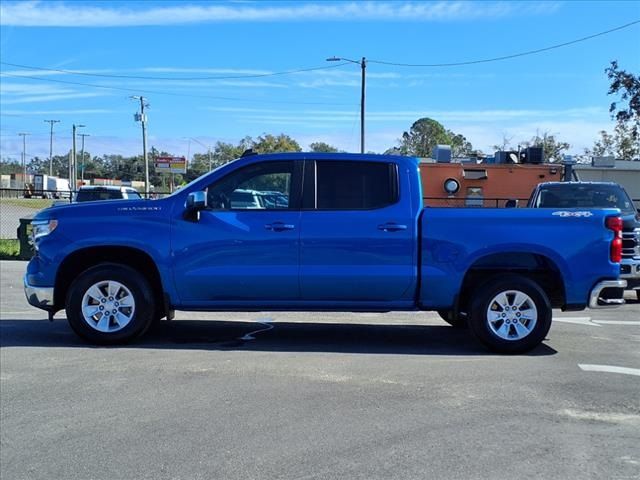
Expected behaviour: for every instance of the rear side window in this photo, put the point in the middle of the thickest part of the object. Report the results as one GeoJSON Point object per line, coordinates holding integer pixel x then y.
{"type": "Point", "coordinates": [355, 185]}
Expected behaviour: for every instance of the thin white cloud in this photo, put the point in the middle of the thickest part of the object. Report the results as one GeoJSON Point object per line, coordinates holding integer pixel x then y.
{"type": "Point", "coordinates": [68, 14]}
{"type": "Point", "coordinates": [78, 111]}
{"type": "Point", "coordinates": [49, 98]}
{"type": "Point", "coordinates": [309, 116]}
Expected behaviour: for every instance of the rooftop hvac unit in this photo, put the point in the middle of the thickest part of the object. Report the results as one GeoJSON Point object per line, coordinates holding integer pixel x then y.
{"type": "Point", "coordinates": [532, 155]}
{"type": "Point", "coordinates": [442, 153]}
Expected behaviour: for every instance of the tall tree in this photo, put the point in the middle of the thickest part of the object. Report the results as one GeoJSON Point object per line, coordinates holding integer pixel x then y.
{"type": "Point", "coordinates": [422, 137]}
{"type": "Point", "coordinates": [552, 148]}
{"type": "Point", "coordinates": [626, 110]}
{"type": "Point", "coordinates": [268, 143]}
{"type": "Point", "coordinates": [322, 147]}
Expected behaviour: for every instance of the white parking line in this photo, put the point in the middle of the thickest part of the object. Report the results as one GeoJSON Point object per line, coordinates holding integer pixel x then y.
{"type": "Point", "coordinates": [577, 321]}
{"type": "Point", "coordinates": [609, 369]}
{"type": "Point", "coordinates": [617, 322]}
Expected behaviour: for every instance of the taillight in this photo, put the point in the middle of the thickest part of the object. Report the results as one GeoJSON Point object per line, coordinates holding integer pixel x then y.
{"type": "Point", "coordinates": [615, 224]}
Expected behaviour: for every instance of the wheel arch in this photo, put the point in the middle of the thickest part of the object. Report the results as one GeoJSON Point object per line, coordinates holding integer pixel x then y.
{"type": "Point", "coordinates": [80, 260]}
{"type": "Point", "coordinates": [535, 266]}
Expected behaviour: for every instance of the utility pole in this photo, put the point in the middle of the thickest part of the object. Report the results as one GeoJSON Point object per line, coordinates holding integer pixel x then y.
{"type": "Point", "coordinates": [209, 151]}
{"type": "Point", "coordinates": [51, 122]}
{"type": "Point", "coordinates": [142, 118]}
{"type": "Point", "coordinates": [24, 159]}
{"type": "Point", "coordinates": [363, 67]}
{"type": "Point", "coordinates": [73, 175]}
{"type": "Point", "coordinates": [82, 157]}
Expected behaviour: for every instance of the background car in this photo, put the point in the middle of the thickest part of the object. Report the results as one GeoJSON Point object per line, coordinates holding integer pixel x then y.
{"type": "Point", "coordinates": [599, 195]}
{"type": "Point", "coordinates": [90, 193]}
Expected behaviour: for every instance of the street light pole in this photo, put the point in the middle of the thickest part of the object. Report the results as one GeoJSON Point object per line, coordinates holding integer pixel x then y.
{"type": "Point", "coordinates": [363, 66]}
{"type": "Point", "coordinates": [208, 147]}
{"type": "Point", "coordinates": [83, 135]}
{"type": "Point", "coordinates": [51, 122]}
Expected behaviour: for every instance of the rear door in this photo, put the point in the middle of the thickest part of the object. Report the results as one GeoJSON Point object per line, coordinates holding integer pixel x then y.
{"type": "Point", "coordinates": [357, 233]}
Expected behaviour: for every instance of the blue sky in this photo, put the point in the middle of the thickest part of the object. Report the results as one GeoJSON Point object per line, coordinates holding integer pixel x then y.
{"type": "Point", "coordinates": [562, 91]}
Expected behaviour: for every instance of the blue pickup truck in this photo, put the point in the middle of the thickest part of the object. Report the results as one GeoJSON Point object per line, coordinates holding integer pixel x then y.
{"type": "Point", "coordinates": [331, 232]}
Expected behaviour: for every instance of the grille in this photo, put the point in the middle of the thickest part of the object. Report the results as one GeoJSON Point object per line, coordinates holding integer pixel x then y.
{"type": "Point", "coordinates": [631, 243]}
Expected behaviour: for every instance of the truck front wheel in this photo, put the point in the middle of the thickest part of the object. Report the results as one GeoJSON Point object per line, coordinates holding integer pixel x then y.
{"type": "Point", "coordinates": [110, 304]}
{"type": "Point", "coordinates": [510, 314]}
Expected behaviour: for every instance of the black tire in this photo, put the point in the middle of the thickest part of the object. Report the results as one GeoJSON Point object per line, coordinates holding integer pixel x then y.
{"type": "Point", "coordinates": [515, 342]}
{"type": "Point", "coordinates": [456, 321]}
{"type": "Point", "coordinates": [638, 295]}
{"type": "Point", "coordinates": [141, 316]}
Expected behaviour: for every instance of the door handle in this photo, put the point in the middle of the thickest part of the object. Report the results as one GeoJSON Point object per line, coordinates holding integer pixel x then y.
{"type": "Point", "coordinates": [279, 226]}
{"type": "Point", "coordinates": [392, 227]}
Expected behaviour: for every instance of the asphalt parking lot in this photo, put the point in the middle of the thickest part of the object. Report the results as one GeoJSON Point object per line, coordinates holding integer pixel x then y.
{"type": "Point", "coordinates": [309, 395]}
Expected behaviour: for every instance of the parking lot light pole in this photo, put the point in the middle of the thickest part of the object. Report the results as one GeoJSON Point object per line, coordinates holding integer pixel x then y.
{"type": "Point", "coordinates": [363, 67]}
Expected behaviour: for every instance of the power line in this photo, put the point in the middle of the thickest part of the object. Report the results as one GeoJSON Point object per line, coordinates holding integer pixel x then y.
{"type": "Point", "coordinates": [507, 57]}
{"type": "Point", "coordinates": [175, 94]}
{"type": "Point", "coordinates": [141, 77]}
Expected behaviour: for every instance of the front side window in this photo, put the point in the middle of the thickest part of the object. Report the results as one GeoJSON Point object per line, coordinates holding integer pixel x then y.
{"type": "Point", "coordinates": [262, 186]}
{"type": "Point", "coordinates": [355, 185]}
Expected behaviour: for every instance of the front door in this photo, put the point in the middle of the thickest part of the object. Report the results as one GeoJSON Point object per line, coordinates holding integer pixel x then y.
{"type": "Point", "coordinates": [245, 246]}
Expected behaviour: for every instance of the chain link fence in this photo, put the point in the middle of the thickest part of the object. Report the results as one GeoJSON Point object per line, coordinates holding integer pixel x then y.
{"type": "Point", "coordinates": [14, 205]}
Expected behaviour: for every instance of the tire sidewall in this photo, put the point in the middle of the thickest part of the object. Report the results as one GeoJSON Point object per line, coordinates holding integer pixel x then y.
{"type": "Point", "coordinates": [479, 323]}
{"type": "Point", "coordinates": [134, 281]}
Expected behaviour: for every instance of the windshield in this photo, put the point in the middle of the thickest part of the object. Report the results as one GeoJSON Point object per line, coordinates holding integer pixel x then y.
{"type": "Point", "coordinates": [585, 196]}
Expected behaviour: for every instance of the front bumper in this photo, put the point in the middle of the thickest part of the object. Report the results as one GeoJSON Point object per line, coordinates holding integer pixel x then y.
{"type": "Point", "coordinates": [607, 294]}
{"type": "Point", "coordinates": [630, 271]}
{"type": "Point", "coordinates": [41, 297]}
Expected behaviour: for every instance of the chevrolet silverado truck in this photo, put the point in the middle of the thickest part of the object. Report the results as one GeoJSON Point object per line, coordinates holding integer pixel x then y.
{"type": "Point", "coordinates": [347, 233]}
{"type": "Point", "coordinates": [580, 195]}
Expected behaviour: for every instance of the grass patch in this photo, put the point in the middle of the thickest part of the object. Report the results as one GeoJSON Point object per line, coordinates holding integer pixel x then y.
{"type": "Point", "coordinates": [35, 203]}
{"type": "Point", "coordinates": [9, 249]}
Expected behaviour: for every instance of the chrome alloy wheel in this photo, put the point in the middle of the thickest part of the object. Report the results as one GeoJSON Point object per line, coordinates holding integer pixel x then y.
{"type": "Point", "coordinates": [512, 315]}
{"type": "Point", "coordinates": [108, 306]}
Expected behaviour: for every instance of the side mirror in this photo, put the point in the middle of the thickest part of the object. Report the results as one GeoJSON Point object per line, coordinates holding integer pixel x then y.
{"type": "Point", "coordinates": [196, 201]}
{"type": "Point", "coordinates": [511, 203]}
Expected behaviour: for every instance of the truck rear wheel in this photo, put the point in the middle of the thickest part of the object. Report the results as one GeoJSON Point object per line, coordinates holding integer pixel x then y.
{"type": "Point", "coordinates": [510, 314]}
{"type": "Point", "coordinates": [110, 304]}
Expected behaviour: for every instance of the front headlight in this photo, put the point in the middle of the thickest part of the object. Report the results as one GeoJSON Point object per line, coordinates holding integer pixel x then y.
{"type": "Point", "coordinates": [42, 228]}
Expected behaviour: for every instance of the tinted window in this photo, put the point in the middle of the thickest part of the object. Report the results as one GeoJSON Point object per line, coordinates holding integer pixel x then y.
{"type": "Point", "coordinates": [96, 194]}
{"type": "Point", "coordinates": [355, 185]}
{"type": "Point", "coordinates": [265, 186]}
{"type": "Point", "coordinates": [584, 196]}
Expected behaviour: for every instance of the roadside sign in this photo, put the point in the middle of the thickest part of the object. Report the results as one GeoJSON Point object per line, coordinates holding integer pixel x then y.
{"type": "Point", "coordinates": [170, 164]}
